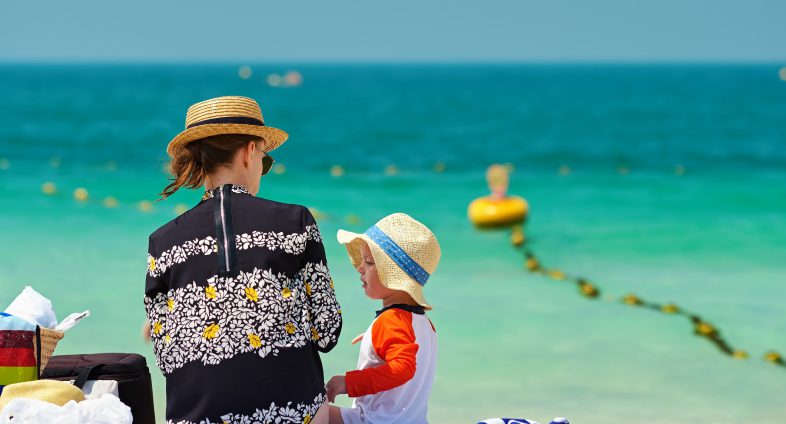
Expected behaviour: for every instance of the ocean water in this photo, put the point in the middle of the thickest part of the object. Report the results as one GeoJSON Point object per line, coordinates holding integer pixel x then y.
{"type": "Point", "coordinates": [698, 219]}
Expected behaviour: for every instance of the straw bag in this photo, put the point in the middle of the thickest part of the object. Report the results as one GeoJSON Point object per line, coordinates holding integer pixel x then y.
{"type": "Point", "coordinates": [48, 342]}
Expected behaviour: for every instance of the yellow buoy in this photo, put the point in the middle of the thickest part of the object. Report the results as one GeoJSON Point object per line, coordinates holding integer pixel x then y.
{"type": "Point", "coordinates": [587, 289]}
{"type": "Point", "coordinates": [279, 169]}
{"type": "Point", "coordinates": [145, 206]}
{"type": "Point", "coordinates": [631, 299]}
{"type": "Point", "coordinates": [274, 80]}
{"type": "Point", "coordinates": [518, 238]}
{"type": "Point", "coordinates": [181, 208]}
{"type": "Point", "coordinates": [740, 354]}
{"type": "Point", "coordinates": [556, 274]}
{"type": "Point", "coordinates": [110, 202]}
{"type": "Point", "coordinates": [439, 167]}
{"type": "Point", "coordinates": [244, 72]}
{"type": "Point", "coordinates": [293, 79]}
{"type": "Point", "coordinates": [81, 194]}
{"type": "Point", "coordinates": [391, 170]}
{"type": "Point", "coordinates": [486, 212]}
{"type": "Point", "coordinates": [336, 170]}
{"type": "Point", "coordinates": [49, 188]}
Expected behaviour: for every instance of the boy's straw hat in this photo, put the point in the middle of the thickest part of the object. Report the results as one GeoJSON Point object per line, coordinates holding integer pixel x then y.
{"type": "Point", "coordinates": [226, 115]}
{"type": "Point", "coordinates": [52, 391]}
{"type": "Point", "coordinates": [405, 251]}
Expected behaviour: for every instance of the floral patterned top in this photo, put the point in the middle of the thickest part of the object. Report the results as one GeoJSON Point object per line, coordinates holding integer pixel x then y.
{"type": "Point", "coordinates": [240, 302]}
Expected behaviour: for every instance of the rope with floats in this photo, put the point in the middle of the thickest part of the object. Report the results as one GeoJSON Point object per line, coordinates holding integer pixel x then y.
{"type": "Point", "coordinates": [498, 181]}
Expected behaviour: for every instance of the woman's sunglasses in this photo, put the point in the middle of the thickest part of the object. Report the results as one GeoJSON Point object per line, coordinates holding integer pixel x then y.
{"type": "Point", "coordinates": [267, 163]}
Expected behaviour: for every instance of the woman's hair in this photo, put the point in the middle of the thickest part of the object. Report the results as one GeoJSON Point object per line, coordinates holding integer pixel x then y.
{"type": "Point", "coordinates": [192, 163]}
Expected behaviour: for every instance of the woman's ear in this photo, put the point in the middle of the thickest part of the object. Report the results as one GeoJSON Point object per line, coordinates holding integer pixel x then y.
{"type": "Point", "coordinates": [248, 153]}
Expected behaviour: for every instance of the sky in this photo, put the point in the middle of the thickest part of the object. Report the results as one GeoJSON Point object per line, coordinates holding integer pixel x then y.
{"type": "Point", "coordinates": [394, 30]}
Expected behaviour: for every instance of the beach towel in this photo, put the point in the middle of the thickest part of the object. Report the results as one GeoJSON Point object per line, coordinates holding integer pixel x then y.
{"type": "Point", "coordinates": [18, 359]}
{"type": "Point", "coordinates": [558, 420]}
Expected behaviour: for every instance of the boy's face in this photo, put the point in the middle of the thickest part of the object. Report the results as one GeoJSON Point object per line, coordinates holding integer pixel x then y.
{"type": "Point", "coordinates": [369, 276]}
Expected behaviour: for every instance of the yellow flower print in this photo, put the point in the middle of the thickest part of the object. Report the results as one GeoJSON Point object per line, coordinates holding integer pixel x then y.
{"type": "Point", "coordinates": [332, 286]}
{"type": "Point", "coordinates": [167, 339]}
{"type": "Point", "coordinates": [251, 294]}
{"type": "Point", "coordinates": [156, 328]}
{"type": "Point", "coordinates": [254, 341]}
{"type": "Point", "coordinates": [170, 304]}
{"type": "Point", "coordinates": [290, 328]}
{"type": "Point", "coordinates": [307, 419]}
{"type": "Point", "coordinates": [338, 311]}
{"type": "Point", "coordinates": [211, 331]}
{"type": "Point", "coordinates": [210, 292]}
{"type": "Point", "coordinates": [151, 264]}
{"type": "Point", "coordinates": [308, 289]}
{"type": "Point", "coordinates": [314, 334]}
{"type": "Point", "coordinates": [286, 292]}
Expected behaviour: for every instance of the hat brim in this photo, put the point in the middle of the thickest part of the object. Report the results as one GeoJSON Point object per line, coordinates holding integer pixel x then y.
{"type": "Point", "coordinates": [391, 275]}
{"type": "Point", "coordinates": [273, 137]}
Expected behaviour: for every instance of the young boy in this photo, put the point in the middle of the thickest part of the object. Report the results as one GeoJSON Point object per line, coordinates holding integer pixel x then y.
{"type": "Point", "coordinates": [398, 352]}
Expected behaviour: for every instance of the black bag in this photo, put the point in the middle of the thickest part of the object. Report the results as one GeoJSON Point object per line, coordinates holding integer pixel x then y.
{"type": "Point", "coordinates": [128, 369]}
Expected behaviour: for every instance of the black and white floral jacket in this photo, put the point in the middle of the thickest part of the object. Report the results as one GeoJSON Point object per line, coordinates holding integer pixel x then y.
{"type": "Point", "coordinates": [240, 302]}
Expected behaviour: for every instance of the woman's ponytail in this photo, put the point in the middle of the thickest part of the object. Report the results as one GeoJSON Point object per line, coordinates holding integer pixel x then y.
{"type": "Point", "coordinates": [191, 163]}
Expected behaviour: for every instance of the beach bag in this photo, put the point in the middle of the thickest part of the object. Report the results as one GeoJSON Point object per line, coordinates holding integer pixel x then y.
{"type": "Point", "coordinates": [19, 356]}
{"type": "Point", "coordinates": [97, 374]}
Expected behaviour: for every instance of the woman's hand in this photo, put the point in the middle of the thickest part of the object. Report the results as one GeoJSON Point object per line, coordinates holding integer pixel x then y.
{"type": "Point", "coordinates": [146, 331]}
{"type": "Point", "coordinates": [336, 386]}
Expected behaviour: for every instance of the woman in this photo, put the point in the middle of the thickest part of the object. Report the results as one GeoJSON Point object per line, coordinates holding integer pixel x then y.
{"type": "Point", "coordinates": [238, 293]}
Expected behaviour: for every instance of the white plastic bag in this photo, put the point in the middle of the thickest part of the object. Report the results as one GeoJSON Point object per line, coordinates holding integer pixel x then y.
{"type": "Point", "coordinates": [33, 307]}
{"type": "Point", "coordinates": [71, 320]}
{"type": "Point", "coordinates": [94, 389]}
{"type": "Point", "coordinates": [105, 410]}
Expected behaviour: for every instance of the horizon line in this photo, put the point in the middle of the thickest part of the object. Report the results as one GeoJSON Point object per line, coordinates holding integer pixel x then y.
{"type": "Point", "coordinates": [340, 62]}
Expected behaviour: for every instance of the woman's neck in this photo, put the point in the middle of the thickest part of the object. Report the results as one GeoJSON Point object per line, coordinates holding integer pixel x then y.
{"type": "Point", "coordinates": [222, 178]}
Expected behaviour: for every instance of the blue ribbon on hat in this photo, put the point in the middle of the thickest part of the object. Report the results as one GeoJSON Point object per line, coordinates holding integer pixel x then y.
{"type": "Point", "coordinates": [399, 256]}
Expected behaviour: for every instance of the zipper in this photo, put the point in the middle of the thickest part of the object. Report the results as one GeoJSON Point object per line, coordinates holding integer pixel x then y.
{"type": "Point", "coordinates": [222, 214]}
{"type": "Point", "coordinates": [224, 224]}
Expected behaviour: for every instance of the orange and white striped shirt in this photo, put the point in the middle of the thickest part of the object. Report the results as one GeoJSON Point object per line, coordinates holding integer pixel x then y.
{"type": "Point", "coordinates": [396, 365]}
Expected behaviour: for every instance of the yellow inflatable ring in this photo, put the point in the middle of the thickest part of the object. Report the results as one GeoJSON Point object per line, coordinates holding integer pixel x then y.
{"type": "Point", "coordinates": [485, 212]}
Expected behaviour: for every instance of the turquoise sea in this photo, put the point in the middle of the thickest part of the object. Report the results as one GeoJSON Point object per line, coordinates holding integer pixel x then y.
{"type": "Point", "coordinates": [676, 192]}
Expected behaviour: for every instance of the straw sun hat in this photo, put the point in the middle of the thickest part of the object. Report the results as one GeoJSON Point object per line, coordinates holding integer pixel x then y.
{"type": "Point", "coordinates": [52, 391]}
{"type": "Point", "coordinates": [405, 251]}
{"type": "Point", "coordinates": [226, 115]}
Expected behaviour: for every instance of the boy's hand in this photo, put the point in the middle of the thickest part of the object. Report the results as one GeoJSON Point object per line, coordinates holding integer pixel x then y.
{"type": "Point", "coordinates": [357, 338]}
{"type": "Point", "coordinates": [336, 386]}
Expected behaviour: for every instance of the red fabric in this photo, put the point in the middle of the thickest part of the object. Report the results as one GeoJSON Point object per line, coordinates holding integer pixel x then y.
{"type": "Point", "coordinates": [394, 342]}
{"type": "Point", "coordinates": [16, 338]}
{"type": "Point", "coordinates": [17, 357]}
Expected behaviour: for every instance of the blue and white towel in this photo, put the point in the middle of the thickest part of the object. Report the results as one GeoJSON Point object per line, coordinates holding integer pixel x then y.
{"type": "Point", "coordinates": [558, 420]}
